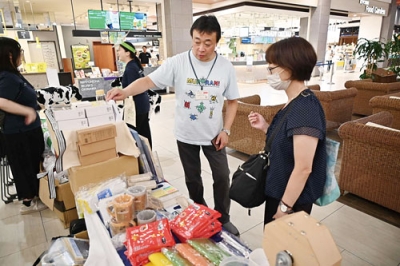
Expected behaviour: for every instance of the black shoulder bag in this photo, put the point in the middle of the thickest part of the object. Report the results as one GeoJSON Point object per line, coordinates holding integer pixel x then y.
{"type": "Point", "coordinates": [248, 181]}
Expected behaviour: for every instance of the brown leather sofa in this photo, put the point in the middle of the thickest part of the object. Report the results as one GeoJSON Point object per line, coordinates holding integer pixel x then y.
{"type": "Point", "coordinates": [390, 103]}
{"type": "Point", "coordinates": [370, 166]}
{"type": "Point", "coordinates": [368, 89]}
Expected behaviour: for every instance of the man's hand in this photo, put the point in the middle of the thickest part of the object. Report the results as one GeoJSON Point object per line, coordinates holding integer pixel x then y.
{"type": "Point", "coordinates": [222, 140]}
{"type": "Point", "coordinates": [116, 94]}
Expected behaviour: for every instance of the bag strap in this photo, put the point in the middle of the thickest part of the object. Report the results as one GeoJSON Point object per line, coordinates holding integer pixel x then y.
{"type": "Point", "coordinates": [267, 148]}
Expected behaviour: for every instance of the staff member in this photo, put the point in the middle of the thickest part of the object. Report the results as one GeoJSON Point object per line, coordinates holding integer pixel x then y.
{"type": "Point", "coordinates": [144, 56]}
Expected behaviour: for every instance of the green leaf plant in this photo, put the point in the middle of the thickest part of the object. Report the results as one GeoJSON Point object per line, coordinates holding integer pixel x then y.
{"type": "Point", "coordinates": [372, 52]}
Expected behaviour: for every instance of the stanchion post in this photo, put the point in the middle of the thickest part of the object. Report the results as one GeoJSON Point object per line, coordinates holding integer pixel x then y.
{"type": "Point", "coordinates": [332, 70]}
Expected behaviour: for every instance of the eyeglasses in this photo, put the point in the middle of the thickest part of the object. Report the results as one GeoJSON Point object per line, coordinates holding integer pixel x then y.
{"type": "Point", "coordinates": [269, 69]}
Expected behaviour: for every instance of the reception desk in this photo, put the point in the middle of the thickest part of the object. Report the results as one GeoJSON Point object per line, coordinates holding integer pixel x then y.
{"type": "Point", "coordinates": [250, 73]}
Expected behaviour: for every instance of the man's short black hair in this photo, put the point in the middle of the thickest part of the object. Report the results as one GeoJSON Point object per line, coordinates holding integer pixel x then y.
{"type": "Point", "coordinates": [207, 24]}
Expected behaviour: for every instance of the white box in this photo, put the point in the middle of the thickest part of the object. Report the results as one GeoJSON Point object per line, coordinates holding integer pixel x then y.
{"type": "Point", "coordinates": [101, 120]}
{"type": "Point", "coordinates": [61, 114]}
{"type": "Point", "coordinates": [73, 124]}
{"type": "Point", "coordinates": [99, 110]}
{"type": "Point", "coordinates": [81, 104]}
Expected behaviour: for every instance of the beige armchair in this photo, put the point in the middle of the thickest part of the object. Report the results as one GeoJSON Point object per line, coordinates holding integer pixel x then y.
{"type": "Point", "coordinates": [389, 103]}
{"type": "Point", "coordinates": [368, 89]}
{"type": "Point", "coordinates": [243, 137]}
{"type": "Point", "coordinates": [370, 166]}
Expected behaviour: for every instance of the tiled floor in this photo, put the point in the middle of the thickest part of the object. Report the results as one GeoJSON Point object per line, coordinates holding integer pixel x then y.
{"type": "Point", "coordinates": [361, 239]}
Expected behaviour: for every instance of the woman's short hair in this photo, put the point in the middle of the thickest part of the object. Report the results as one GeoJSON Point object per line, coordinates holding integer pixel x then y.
{"type": "Point", "coordinates": [9, 53]}
{"type": "Point", "coordinates": [295, 54]}
{"type": "Point", "coordinates": [207, 24]}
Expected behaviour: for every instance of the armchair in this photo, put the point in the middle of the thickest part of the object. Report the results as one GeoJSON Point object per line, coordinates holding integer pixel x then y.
{"type": "Point", "coordinates": [368, 89]}
{"type": "Point", "coordinates": [243, 137]}
{"type": "Point", "coordinates": [370, 166]}
{"type": "Point", "coordinates": [389, 103]}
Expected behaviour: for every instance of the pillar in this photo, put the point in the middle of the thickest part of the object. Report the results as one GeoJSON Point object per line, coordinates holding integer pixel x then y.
{"type": "Point", "coordinates": [178, 19]}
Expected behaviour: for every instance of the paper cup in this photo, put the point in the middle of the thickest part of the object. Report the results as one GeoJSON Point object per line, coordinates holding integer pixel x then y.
{"type": "Point", "coordinates": [146, 216]}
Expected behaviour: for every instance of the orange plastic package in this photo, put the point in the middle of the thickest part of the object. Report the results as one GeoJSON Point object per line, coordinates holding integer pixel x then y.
{"type": "Point", "coordinates": [192, 255]}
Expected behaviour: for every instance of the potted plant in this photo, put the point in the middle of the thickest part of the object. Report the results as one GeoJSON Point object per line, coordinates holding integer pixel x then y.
{"type": "Point", "coordinates": [393, 51]}
{"type": "Point", "coordinates": [371, 52]}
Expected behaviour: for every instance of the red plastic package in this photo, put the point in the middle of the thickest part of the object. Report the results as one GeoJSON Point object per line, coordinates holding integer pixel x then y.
{"type": "Point", "coordinates": [146, 238]}
{"type": "Point", "coordinates": [193, 220]}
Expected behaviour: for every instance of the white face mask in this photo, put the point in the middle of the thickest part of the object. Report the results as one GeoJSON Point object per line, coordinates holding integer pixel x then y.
{"type": "Point", "coordinates": [274, 80]}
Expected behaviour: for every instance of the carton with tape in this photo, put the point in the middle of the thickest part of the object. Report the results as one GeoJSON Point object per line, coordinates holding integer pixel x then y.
{"type": "Point", "coordinates": [94, 134]}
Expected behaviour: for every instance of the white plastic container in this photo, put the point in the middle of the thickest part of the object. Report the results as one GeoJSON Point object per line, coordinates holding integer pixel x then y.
{"type": "Point", "coordinates": [237, 261]}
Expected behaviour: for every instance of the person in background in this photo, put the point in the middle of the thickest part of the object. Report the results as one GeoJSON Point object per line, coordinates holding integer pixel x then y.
{"type": "Point", "coordinates": [144, 56]}
{"type": "Point", "coordinates": [133, 71]}
{"type": "Point", "coordinates": [297, 170]}
{"type": "Point", "coordinates": [329, 57]}
{"type": "Point", "coordinates": [202, 80]}
{"type": "Point", "coordinates": [21, 128]}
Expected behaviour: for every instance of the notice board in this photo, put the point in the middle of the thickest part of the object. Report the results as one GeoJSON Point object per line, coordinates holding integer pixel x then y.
{"type": "Point", "coordinates": [45, 53]}
{"type": "Point", "coordinates": [88, 87]}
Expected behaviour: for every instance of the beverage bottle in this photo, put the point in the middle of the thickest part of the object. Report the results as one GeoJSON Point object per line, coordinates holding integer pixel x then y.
{"type": "Point", "coordinates": [100, 95]}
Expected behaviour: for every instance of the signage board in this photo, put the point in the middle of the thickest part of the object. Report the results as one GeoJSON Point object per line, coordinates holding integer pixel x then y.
{"type": "Point", "coordinates": [88, 87]}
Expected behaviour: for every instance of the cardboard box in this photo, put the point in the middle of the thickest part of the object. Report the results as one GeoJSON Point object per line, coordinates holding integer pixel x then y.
{"type": "Point", "coordinates": [64, 200]}
{"type": "Point", "coordinates": [95, 173]}
{"type": "Point", "coordinates": [101, 120]}
{"type": "Point", "coordinates": [93, 134]}
{"type": "Point", "coordinates": [86, 149]}
{"type": "Point", "coordinates": [308, 241]}
{"type": "Point", "coordinates": [82, 235]}
{"type": "Point", "coordinates": [104, 109]}
{"type": "Point", "coordinates": [98, 157]}
{"type": "Point", "coordinates": [61, 114]}
{"type": "Point", "coordinates": [66, 217]}
{"type": "Point", "coordinates": [73, 124]}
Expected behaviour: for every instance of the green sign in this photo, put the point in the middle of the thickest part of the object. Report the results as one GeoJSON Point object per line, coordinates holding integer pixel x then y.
{"type": "Point", "coordinates": [97, 19]}
{"type": "Point", "coordinates": [126, 20]}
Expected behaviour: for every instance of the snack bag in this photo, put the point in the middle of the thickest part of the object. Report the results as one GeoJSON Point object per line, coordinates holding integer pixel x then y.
{"type": "Point", "coordinates": [209, 250]}
{"type": "Point", "coordinates": [192, 255]}
{"type": "Point", "coordinates": [149, 237]}
{"type": "Point", "coordinates": [193, 220]}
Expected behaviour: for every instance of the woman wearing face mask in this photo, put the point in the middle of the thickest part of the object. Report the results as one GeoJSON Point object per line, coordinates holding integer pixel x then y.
{"type": "Point", "coordinates": [23, 136]}
{"type": "Point", "coordinates": [297, 171]}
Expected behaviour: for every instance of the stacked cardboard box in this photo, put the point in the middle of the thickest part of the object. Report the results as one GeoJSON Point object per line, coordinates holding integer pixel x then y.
{"type": "Point", "coordinates": [64, 203]}
{"type": "Point", "coordinates": [96, 144]}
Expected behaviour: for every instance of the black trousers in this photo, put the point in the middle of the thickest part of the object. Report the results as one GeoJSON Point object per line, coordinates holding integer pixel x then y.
{"type": "Point", "coordinates": [271, 205]}
{"type": "Point", "coordinates": [143, 126]}
{"type": "Point", "coordinates": [24, 153]}
{"type": "Point", "coordinates": [190, 159]}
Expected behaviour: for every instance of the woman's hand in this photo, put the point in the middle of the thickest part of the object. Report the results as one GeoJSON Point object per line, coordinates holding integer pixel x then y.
{"type": "Point", "coordinates": [30, 116]}
{"type": "Point", "coordinates": [257, 121]}
{"type": "Point", "coordinates": [116, 94]}
{"type": "Point", "coordinates": [279, 214]}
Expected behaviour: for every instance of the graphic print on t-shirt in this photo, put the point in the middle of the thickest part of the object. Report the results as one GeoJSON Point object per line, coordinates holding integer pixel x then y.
{"type": "Point", "coordinates": [207, 102]}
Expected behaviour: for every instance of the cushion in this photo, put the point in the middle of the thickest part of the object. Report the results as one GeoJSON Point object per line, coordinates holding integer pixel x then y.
{"type": "Point", "coordinates": [371, 124]}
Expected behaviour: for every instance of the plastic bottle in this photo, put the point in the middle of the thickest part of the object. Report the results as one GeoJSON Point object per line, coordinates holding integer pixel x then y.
{"type": "Point", "coordinates": [100, 95]}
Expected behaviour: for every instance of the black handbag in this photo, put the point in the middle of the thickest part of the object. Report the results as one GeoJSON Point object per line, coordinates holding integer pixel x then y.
{"type": "Point", "coordinates": [248, 181]}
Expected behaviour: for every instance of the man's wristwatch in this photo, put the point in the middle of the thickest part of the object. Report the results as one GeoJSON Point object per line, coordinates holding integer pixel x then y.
{"type": "Point", "coordinates": [285, 208]}
{"type": "Point", "coordinates": [227, 131]}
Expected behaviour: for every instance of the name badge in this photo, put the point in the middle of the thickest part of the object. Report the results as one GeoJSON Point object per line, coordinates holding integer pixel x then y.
{"type": "Point", "coordinates": [202, 95]}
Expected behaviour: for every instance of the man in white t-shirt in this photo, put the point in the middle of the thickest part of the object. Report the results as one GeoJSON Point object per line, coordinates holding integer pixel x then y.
{"type": "Point", "coordinates": [329, 56]}
{"type": "Point", "coordinates": [202, 80]}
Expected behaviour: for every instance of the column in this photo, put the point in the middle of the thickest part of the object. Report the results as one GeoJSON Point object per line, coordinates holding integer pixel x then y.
{"type": "Point", "coordinates": [178, 19]}
{"type": "Point", "coordinates": [388, 23]}
{"type": "Point", "coordinates": [318, 32]}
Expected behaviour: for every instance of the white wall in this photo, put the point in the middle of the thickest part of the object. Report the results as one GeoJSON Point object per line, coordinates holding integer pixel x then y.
{"type": "Point", "coordinates": [370, 27]}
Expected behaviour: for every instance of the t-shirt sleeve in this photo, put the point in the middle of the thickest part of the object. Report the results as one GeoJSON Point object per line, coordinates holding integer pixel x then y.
{"type": "Point", "coordinates": [306, 118]}
{"type": "Point", "coordinates": [164, 75]}
{"type": "Point", "coordinates": [9, 87]}
{"type": "Point", "coordinates": [232, 90]}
